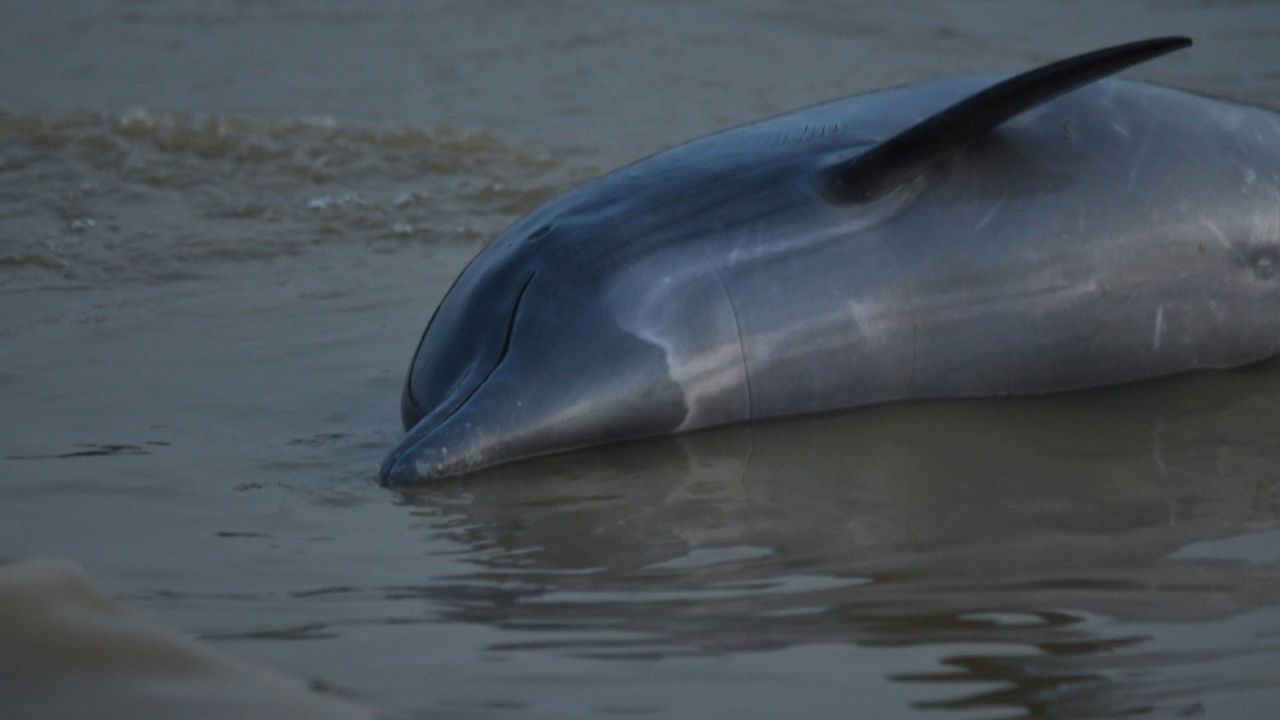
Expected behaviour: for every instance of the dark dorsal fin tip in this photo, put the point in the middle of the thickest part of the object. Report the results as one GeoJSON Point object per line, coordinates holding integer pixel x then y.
{"type": "Point", "coordinates": [940, 136]}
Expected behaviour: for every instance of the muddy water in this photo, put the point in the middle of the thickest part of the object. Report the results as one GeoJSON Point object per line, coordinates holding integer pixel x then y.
{"type": "Point", "coordinates": [223, 226]}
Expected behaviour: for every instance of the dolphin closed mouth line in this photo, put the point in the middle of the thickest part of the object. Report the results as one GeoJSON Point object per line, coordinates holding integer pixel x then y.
{"type": "Point", "coordinates": [913, 242]}
{"type": "Point", "coordinates": [395, 458]}
{"type": "Point", "coordinates": [506, 347]}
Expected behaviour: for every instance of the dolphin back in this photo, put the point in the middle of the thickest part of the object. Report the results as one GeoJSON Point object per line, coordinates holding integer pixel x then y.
{"type": "Point", "coordinates": [958, 238]}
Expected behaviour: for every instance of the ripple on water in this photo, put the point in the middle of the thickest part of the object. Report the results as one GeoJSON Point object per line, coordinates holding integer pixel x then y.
{"type": "Point", "coordinates": [89, 199]}
{"type": "Point", "coordinates": [1001, 558]}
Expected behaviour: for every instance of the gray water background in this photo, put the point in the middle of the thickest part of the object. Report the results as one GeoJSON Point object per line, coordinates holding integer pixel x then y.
{"type": "Point", "coordinates": [223, 226]}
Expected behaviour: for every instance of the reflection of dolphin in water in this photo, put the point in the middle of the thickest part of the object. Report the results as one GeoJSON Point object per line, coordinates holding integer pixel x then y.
{"type": "Point", "coordinates": [807, 263]}
{"type": "Point", "coordinates": [992, 536]}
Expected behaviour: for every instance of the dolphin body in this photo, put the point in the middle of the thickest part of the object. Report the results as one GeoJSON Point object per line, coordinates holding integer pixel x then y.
{"type": "Point", "coordinates": [966, 237]}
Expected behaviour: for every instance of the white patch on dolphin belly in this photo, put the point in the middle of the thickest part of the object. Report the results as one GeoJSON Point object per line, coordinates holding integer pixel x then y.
{"type": "Point", "coordinates": [1157, 335]}
{"type": "Point", "coordinates": [871, 331]}
{"type": "Point", "coordinates": [708, 376]}
{"type": "Point", "coordinates": [702, 350]}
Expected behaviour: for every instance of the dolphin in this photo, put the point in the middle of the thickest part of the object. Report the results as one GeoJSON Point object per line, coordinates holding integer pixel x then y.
{"type": "Point", "coordinates": [980, 236]}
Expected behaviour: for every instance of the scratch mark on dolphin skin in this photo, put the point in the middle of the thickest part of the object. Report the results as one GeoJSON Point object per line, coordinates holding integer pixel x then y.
{"type": "Point", "coordinates": [1217, 233]}
{"type": "Point", "coordinates": [1275, 124]}
{"type": "Point", "coordinates": [1140, 158]}
{"type": "Point", "coordinates": [1248, 175]}
{"type": "Point", "coordinates": [1108, 88]}
{"type": "Point", "coordinates": [866, 329]}
{"type": "Point", "coordinates": [1266, 227]}
{"type": "Point", "coordinates": [991, 213]}
{"type": "Point", "coordinates": [1158, 332]}
{"type": "Point", "coordinates": [1228, 118]}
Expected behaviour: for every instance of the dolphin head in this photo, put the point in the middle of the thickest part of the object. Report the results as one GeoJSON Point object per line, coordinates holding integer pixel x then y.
{"type": "Point", "coordinates": [602, 316]}
{"type": "Point", "coordinates": [544, 344]}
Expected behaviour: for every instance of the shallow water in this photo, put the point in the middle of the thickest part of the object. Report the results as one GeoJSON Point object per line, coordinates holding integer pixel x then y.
{"type": "Point", "coordinates": [223, 228]}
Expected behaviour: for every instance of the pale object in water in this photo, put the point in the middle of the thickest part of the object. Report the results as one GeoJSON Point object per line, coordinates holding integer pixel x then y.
{"type": "Point", "coordinates": [67, 651]}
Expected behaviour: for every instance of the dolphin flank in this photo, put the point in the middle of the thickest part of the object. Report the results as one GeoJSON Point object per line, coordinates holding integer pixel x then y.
{"type": "Point", "coordinates": [966, 237]}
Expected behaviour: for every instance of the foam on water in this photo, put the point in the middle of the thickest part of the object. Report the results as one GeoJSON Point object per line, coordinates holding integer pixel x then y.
{"type": "Point", "coordinates": [90, 198]}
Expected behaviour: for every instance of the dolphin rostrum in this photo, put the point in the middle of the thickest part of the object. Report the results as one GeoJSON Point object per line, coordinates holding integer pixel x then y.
{"type": "Point", "coordinates": [965, 237]}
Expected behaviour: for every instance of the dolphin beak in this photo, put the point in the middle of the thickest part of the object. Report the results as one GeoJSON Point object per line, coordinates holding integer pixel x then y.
{"type": "Point", "coordinates": [423, 464]}
{"type": "Point", "coordinates": [453, 439]}
{"type": "Point", "coordinates": [410, 463]}
{"type": "Point", "coordinates": [436, 449]}
{"type": "Point", "coordinates": [413, 462]}
{"type": "Point", "coordinates": [527, 406]}
{"type": "Point", "coordinates": [399, 465]}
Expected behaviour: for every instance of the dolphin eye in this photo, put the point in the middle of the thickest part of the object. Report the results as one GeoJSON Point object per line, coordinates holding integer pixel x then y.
{"type": "Point", "coordinates": [1264, 262]}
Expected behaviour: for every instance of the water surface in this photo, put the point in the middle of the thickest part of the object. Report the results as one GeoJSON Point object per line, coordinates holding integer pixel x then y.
{"type": "Point", "coordinates": [223, 227]}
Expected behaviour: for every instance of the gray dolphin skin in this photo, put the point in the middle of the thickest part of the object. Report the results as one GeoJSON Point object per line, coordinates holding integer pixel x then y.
{"type": "Point", "coordinates": [980, 236]}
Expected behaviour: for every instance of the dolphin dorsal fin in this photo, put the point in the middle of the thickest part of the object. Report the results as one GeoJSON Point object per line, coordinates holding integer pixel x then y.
{"type": "Point", "coordinates": [940, 136]}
